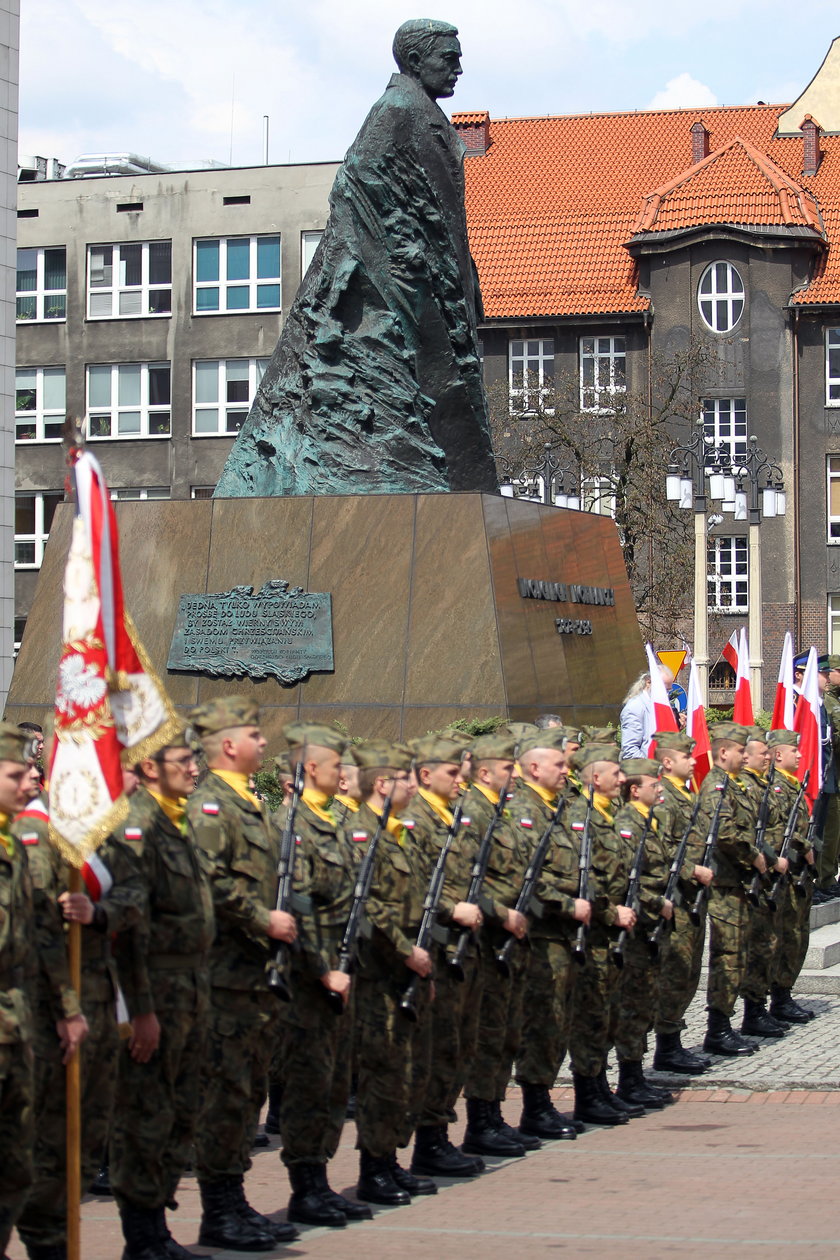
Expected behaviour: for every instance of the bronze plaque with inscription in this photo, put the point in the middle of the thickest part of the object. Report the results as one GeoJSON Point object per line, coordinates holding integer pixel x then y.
{"type": "Point", "coordinates": [277, 632]}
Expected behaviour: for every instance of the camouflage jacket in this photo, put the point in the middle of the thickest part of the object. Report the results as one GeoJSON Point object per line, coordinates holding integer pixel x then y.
{"type": "Point", "coordinates": [735, 851]}
{"type": "Point", "coordinates": [241, 851]}
{"type": "Point", "coordinates": [161, 894]}
{"type": "Point", "coordinates": [552, 913]}
{"type": "Point", "coordinates": [608, 868]}
{"type": "Point", "coordinates": [325, 874]}
{"type": "Point", "coordinates": [786, 789]}
{"type": "Point", "coordinates": [394, 908]}
{"type": "Point", "coordinates": [630, 823]}
{"type": "Point", "coordinates": [16, 934]}
{"type": "Point", "coordinates": [508, 857]}
{"type": "Point", "coordinates": [674, 815]}
{"type": "Point", "coordinates": [429, 834]}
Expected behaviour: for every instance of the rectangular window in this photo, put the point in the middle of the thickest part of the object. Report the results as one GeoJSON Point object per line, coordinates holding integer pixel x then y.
{"type": "Point", "coordinates": [125, 494]}
{"type": "Point", "coordinates": [598, 495]}
{"type": "Point", "coordinates": [832, 367]}
{"type": "Point", "coordinates": [603, 372]}
{"type": "Point", "coordinates": [834, 624]}
{"type": "Point", "coordinates": [33, 519]}
{"type": "Point", "coordinates": [132, 281]}
{"type": "Point", "coordinates": [235, 274]}
{"type": "Point", "coordinates": [725, 426]}
{"type": "Point", "coordinates": [833, 498]}
{"type": "Point", "coordinates": [40, 404]}
{"type": "Point", "coordinates": [308, 244]}
{"type": "Point", "coordinates": [727, 575]}
{"type": "Point", "coordinates": [530, 372]}
{"type": "Point", "coordinates": [20, 626]}
{"type": "Point", "coordinates": [201, 492]}
{"type": "Point", "coordinates": [223, 390]}
{"type": "Point", "coordinates": [41, 284]}
{"type": "Point", "coordinates": [128, 400]}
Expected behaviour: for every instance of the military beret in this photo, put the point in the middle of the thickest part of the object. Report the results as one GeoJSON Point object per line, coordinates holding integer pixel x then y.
{"type": "Point", "coordinates": [15, 744]}
{"type": "Point", "coordinates": [676, 741]}
{"type": "Point", "coordinates": [598, 734]}
{"type": "Point", "coordinates": [185, 736]}
{"type": "Point", "coordinates": [574, 735]}
{"type": "Point", "coordinates": [833, 661]}
{"type": "Point", "coordinates": [519, 730]}
{"type": "Point", "coordinates": [776, 738]}
{"type": "Point", "coordinates": [641, 765]}
{"type": "Point", "coordinates": [551, 737]}
{"type": "Point", "coordinates": [429, 749]}
{"type": "Point", "coordinates": [756, 733]}
{"type": "Point", "coordinates": [458, 737]}
{"type": "Point", "coordinates": [378, 754]}
{"type": "Point", "coordinates": [495, 747]}
{"type": "Point", "coordinates": [732, 731]}
{"type": "Point", "coordinates": [223, 714]}
{"type": "Point", "coordinates": [301, 734]}
{"type": "Point", "coordinates": [592, 753]}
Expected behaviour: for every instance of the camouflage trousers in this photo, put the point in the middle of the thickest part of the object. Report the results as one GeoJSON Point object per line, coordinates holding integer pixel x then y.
{"type": "Point", "coordinates": [634, 1002]}
{"type": "Point", "coordinates": [793, 931]}
{"type": "Point", "coordinates": [830, 850]}
{"type": "Point", "coordinates": [157, 1103]}
{"type": "Point", "coordinates": [679, 971]}
{"type": "Point", "coordinates": [454, 1030]}
{"type": "Point", "coordinates": [44, 1219]}
{"type": "Point", "coordinates": [594, 985]}
{"type": "Point", "coordinates": [548, 1006]}
{"type": "Point", "coordinates": [393, 1061]}
{"type": "Point", "coordinates": [499, 1020]}
{"type": "Point", "coordinates": [761, 950]}
{"type": "Point", "coordinates": [242, 1033]}
{"type": "Point", "coordinates": [728, 925]}
{"type": "Point", "coordinates": [16, 1133]}
{"type": "Point", "coordinates": [314, 1051]}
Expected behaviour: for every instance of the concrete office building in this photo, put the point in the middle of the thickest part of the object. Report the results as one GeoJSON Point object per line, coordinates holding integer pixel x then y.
{"type": "Point", "coordinates": [9, 44]}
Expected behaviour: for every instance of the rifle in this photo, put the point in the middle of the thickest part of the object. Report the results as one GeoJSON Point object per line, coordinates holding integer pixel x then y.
{"type": "Point", "coordinates": [477, 877]}
{"type": "Point", "coordinates": [529, 885]}
{"type": "Point", "coordinates": [673, 879]}
{"type": "Point", "coordinates": [817, 820]}
{"type": "Point", "coordinates": [790, 828]}
{"type": "Point", "coordinates": [754, 893]}
{"type": "Point", "coordinates": [584, 862]}
{"type": "Point", "coordinates": [361, 892]}
{"type": "Point", "coordinates": [408, 1003]}
{"type": "Point", "coordinates": [696, 911]}
{"type": "Point", "coordinates": [617, 952]}
{"type": "Point", "coordinates": [277, 980]}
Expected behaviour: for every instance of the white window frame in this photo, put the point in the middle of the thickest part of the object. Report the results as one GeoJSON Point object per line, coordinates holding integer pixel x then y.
{"type": "Point", "coordinates": [116, 290]}
{"type": "Point", "coordinates": [832, 379]}
{"type": "Point", "coordinates": [832, 519]}
{"type": "Point", "coordinates": [598, 495]}
{"type": "Point", "coordinates": [309, 242]}
{"type": "Point", "coordinates": [148, 412]}
{"type": "Point", "coordinates": [597, 397]}
{"type": "Point", "coordinates": [41, 534]}
{"type": "Point", "coordinates": [18, 631]}
{"type": "Point", "coordinates": [131, 494]}
{"type": "Point", "coordinates": [40, 416]}
{"type": "Point", "coordinates": [252, 283]}
{"type": "Point", "coordinates": [728, 566]}
{"type": "Point", "coordinates": [833, 612]}
{"type": "Point", "coordinates": [43, 296]}
{"type": "Point", "coordinates": [256, 370]}
{"type": "Point", "coordinates": [733, 294]}
{"type": "Point", "coordinates": [202, 492]}
{"type": "Point", "coordinates": [529, 386]}
{"type": "Point", "coordinates": [718, 413]}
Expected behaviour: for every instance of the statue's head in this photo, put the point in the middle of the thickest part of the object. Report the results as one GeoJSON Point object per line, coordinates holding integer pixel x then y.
{"type": "Point", "coordinates": [429, 52]}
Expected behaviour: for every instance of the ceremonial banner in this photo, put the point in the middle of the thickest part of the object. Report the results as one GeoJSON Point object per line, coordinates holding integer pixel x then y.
{"type": "Point", "coordinates": [664, 718]}
{"type": "Point", "coordinates": [697, 727]}
{"type": "Point", "coordinates": [742, 710]}
{"type": "Point", "coordinates": [730, 650]}
{"type": "Point", "coordinates": [783, 705]}
{"type": "Point", "coordinates": [806, 720]}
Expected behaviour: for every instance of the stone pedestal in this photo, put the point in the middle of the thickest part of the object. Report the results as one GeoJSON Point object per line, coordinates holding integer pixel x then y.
{"type": "Point", "coordinates": [429, 624]}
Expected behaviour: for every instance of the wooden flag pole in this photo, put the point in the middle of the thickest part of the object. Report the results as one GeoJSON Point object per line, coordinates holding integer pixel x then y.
{"type": "Point", "coordinates": [74, 1094]}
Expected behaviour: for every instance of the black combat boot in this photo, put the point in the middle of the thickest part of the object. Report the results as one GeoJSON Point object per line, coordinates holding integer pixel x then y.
{"type": "Point", "coordinates": [140, 1231]}
{"type": "Point", "coordinates": [721, 1037]}
{"type": "Point", "coordinates": [353, 1211]}
{"type": "Point", "coordinates": [171, 1248]}
{"type": "Point", "coordinates": [435, 1156]}
{"type": "Point", "coordinates": [407, 1181]}
{"type": "Point", "coordinates": [281, 1231]}
{"type": "Point", "coordinates": [529, 1140]}
{"type": "Point", "coordinates": [222, 1225]}
{"type": "Point", "coordinates": [483, 1136]}
{"type": "Point", "coordinates": [272, 1116]}
{"type": "Point", "coordinates": [783, 1006]}
{"type": "Point", "coordinates": [308, 1204]}
{"type": "Point", "coordinates": [672, 1056]}
{"type": "Point", "coordinates": [757, 1023]}
{"type": "Point", "coordinates": [633, 1110]}
{"type": "Point", "coordinates": [45, 1251]}
{"type": "Point", "coordinates": [541, 1118]}
{"type": "Point", "coordinates": [633, 1088]}
{"type": "Point", "coordinates": [590, 1106]}
{"type": "Point", "coordinates": [376, 1181]}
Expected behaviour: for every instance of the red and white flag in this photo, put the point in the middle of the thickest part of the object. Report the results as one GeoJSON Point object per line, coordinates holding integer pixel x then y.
{"type": "Point", "coordinates": [783, 705]}
{"type": "Point", "coordinates": [697, 727]}
{"type": "Point", "coordinates": [663, 715]}
{"type": "Point", "coordinates": [806, 720]}
{"type": "Point", "coordinates": [110, 708]}
{"type": "Point", "coordinates": [730, 651]}
{"type": "Point", "coordinates": [742, 710]}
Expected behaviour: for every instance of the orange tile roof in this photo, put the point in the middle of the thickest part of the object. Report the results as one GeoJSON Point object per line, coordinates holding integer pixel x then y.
{"type": "Point", "coordinates": [470, 119]}
{"type": "Point", "coordinates": [553, 201]}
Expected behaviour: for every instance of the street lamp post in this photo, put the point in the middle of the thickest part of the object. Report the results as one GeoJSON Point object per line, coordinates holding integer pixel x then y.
{"type": "Point", "coordinates": [546, 480]}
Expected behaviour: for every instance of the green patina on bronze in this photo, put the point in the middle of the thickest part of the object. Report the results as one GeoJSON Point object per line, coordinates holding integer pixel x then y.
{"type": "Point", "coordinates": [376, 384]}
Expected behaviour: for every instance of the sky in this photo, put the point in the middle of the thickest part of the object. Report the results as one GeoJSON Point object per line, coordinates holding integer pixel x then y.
{"type": "Point", "coordinates": [185, 81]}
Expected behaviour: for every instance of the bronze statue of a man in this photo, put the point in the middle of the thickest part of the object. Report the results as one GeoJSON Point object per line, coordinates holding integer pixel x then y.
{"type": "Point", "coordinates": [375, 385]}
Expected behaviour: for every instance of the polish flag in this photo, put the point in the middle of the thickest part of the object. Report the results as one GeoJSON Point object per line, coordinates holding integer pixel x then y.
{"type": "Point", "coordinates": [783, 706]}
{"type": "Point", "coordinates": [730, 650]}
{"type": "Point", "coordinates": [806, 720]}
{"type": "Point", "coordinates": [697, 728]}
{"type": "Point", "coordinates": [663, 714]}
{"type": "Point", "coordinates": [743, 708]}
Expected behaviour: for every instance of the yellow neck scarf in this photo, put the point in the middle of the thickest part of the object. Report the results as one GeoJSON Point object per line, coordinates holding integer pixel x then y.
{"type": "Point", "coordinates": [493, 797]}
{"type": "Point", "coordinates": [679, 784]}
{"type": "Point", "coordinates": [439, 804]}
{"type": "Point", "coordinates": [174, 809]}
{"type": "Point", "coordinates": [317, 802]}
{"type": "Point", "coordinates": [791, 778]}
{"type": "Point", "coordinates": [644, 810]}
{"type": "Point", "coordinates": [352, 805]}
{"type": "Point", "coordinates": [604, 806]}
{"type": "Point", "coordinates": [393, 826]}
{"type": "Point", "coordinates": [547, 798]}
{"type": "Point", "coordinates": [239, 782]}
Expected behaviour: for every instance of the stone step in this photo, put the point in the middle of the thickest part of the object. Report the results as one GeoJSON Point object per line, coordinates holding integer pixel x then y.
{"type": "Point", "coordinates": [823, 948]}
{"type": "Point", "coordinates": [825, 980]}
{"type": "Point", "coordinates": [828, 912]}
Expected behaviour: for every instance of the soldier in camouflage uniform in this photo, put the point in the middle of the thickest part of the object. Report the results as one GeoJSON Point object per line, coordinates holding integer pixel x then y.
{"type": "Point", "coordinates": [794, 907]}
{"type": "Point", "coordinates": [736, 859]}
{"type": "Point", "coordinates": [682, 961]}
{"type": "Point", "coordinates": [348, 797]}
{"type": "Point", "coordinates": [315, 1041]}
{"type": "Point", "coordinates": [455, 1009]}
{"type": "Point", "coordinates": [393, 1050]}
{"type": "Point", "coordinates": [601, 775]}
{"type": "Point", "coordinates": [637, 994]}
{"type": "Point", "coordinates": [16, 973]}
{"type": "Point", "coordinates": [232, 830]}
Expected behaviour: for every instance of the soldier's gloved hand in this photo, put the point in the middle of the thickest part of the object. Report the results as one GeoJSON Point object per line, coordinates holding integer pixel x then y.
{"type": "Point", "coordinates": [419, 960]}
{"type": "Point", "coordinates": [583, 911]}
{"type": "Point", "coordinates": [467, 915]}
{"type": "Point", "coordinates": [703, 875]}
{"type": "Point", "coordinates": [71, 1034]}
{"type": "Point", "coordinates": [760, 864]}
{"type": "Point", "coordinates": [782, 865]}
{"type": "Point", "coordinates": [145, 1037]}
{"type": "Point", "coordinates": [625, 917]}
{"type": "Point", "coordinates": [516, 923]}
{"type": "Point", "coordinates": [337, 982]}
{"type": "Point", "coordinates": [282, 926]}
{"type": "Point", "coordinates": [76, 907]}
{"type": "Point", "coordinates": [667, 911]}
